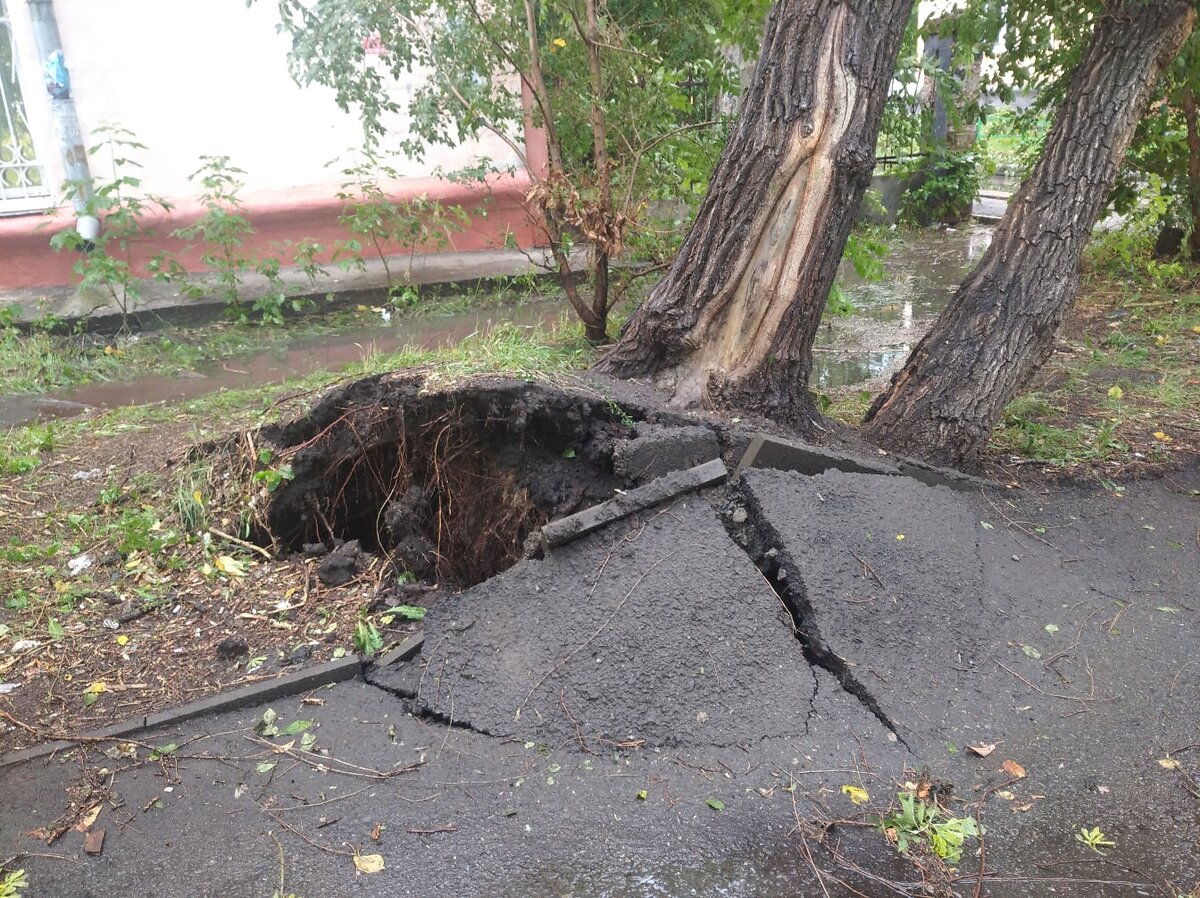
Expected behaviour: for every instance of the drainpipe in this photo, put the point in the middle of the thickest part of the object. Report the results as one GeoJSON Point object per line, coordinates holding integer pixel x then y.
{"type": "Point", "coordinates": [62, 107]}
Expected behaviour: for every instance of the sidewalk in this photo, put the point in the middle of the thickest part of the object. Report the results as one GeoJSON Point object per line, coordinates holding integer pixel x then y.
{"type": "Point", "coordinates": [656, 707]}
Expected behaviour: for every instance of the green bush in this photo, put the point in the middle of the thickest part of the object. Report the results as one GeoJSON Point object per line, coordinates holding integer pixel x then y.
{"type": "Point", "coordinates": [942, 187]}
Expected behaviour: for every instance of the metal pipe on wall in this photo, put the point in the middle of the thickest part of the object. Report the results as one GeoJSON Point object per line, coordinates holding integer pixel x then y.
{"type": "Point", "coordinates": [62, 106]}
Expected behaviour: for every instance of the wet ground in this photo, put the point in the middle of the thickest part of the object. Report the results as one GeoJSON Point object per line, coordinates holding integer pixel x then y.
{"type": "Point", "coordinates": [296, 358]}
{"type": "Point", "coordinates": [921, 272]}
{"type": "Point", "coordinates": [674, 704]}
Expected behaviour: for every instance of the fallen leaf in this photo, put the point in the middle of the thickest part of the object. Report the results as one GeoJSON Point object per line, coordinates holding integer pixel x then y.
{"type": "Point", "coordinates": [1005, 794]}
{"type": "Point", "coordinates": [266, 726]}
{"type": "Point", "coordinates": [982, 751]}
{"type": "Point", "coordinates": [296, 726]}
{"type": "Point", "coordinates": [1022, 808]}
{"type": "Point", "coordinates": [715, 803]}
{"type": "Point", "coordinates": [368, 863]}
{"type": "Point", "coordinates": [376, 832]}
{"type": "Point", "coordinates": [1051, 628]}
{"type": "Point", "coordinates": [1031, 652]}
{"type": "Point", "coordinates": [227, 564]}
{"type": "Point", "coordinates": [642, 794]}
{"type": "Point", "coordinates": [1013, 769]}
{"type": "Point", "coordinates": [1161, 437]}
{"type": "Point", "coordinates": [86, 821]}
{"type": "Point", "coordinates": [265, 766]}
{"type": "Point", "coordinates": [856, 795]}
{"type": "Point", "coordinates": [900, 536]}
{"type": "Point", "coordinates": [1168, 764]}
{"type": "Point", "coordinates": [1115, 392]}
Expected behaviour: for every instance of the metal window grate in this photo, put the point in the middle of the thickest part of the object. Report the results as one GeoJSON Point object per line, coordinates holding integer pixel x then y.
{"type": "Point", "coordinates": [22, 181]}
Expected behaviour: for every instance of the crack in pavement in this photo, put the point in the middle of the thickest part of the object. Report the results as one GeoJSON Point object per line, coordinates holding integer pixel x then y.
{"type": "Point", "coordinates": [418, 710]}
{"type": "Point", "coordinates": [783, 576]}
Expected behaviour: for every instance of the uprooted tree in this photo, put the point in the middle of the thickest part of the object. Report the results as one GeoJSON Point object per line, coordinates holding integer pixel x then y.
{"type": "Point", "coordinates": [734, 319]}
{"type": "Point", "coordinates": [1000, 326]}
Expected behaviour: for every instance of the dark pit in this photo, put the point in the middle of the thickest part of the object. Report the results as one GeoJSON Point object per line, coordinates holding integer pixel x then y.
{"type": "Point", "coordinates": [447, 485]}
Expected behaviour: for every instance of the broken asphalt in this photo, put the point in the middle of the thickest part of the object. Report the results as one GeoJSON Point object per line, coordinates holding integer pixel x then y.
{"type": "Point", "coordinates": [671, 704]}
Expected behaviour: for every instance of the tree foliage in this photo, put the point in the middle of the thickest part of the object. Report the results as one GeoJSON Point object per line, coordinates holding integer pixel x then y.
{"type": "Point", "coordinates": [625, 90]}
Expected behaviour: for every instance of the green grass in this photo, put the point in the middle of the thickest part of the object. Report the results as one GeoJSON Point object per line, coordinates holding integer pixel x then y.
{"type": "Point", "coordinates": [531, 353]}
{"type": "Point", "coordinates": [39, 361]}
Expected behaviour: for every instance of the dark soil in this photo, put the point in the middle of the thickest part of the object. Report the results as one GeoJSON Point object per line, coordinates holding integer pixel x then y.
{"type": "Point", "coordinates": [448, 484]}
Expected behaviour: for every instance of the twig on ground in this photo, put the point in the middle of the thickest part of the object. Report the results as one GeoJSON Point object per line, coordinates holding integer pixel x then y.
{"type": "Point", "coordinates": [241, 542]}
{"type": "Point", "coordinates": [1038, 689]}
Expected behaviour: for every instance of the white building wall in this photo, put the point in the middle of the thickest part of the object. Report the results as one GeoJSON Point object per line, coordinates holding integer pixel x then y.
{"type": "Point", "coordinates": [207, 77]}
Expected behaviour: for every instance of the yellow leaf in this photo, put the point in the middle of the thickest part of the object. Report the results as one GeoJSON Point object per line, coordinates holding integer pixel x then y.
{"type": "Point", "coordinates": [559, 42]}
{"type": "Point", "coordinates": [1161, 437]}
{"type": "Point", "coordinates": [90, 817]}
{"type": "Point", "coordinates": [229, 565]}
{"type": "Point", "coordinates": [97, 687]}
{"type": "Point", "coordinates": [1168, 764]}
{"type": "Point", "coordinates": [1196, 330]}
{"type": "Point", "coordinates": [900, 536]}
{"type": "Point", "coordinates": [856, 795]}
{"type": "Point", "coordinates": [199, 498]}
{"type": "Point", "coordinates": [1115, 392]}
{"type": "Point", "coordinates": [1005, 794]}
{"type": "Point", "coordinates": [122, 639]}
{"type": "Point", "coordinates": [368, 863]}
{"type": "Point", "coordinates": [1013, 769]}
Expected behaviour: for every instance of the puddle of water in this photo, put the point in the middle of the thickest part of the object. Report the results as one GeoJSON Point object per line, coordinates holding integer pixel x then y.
{"type": "Point", "coordinates": [921, 273]}
{"type": "Point", "coordinates": [331, 352]}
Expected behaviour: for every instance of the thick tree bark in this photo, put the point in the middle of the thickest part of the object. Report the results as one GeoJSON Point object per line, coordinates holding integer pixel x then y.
{"type": "Point", "coordinates": [734, 319]}
{"type": "Point", "coordinates": [1000, 326]}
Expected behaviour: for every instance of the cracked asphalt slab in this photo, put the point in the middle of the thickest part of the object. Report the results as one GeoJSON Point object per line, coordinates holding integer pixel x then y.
{"type": "Point", "coordinates": [673, 729]}
{"type": "Point", "coordinates": [659, 630]}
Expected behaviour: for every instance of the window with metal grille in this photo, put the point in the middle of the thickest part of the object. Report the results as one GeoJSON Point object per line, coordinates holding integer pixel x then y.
{"type": "Point", "coordinates": [22, 181]}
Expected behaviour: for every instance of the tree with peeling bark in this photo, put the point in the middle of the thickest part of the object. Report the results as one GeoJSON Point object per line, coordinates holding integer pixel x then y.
{"type": "Point", "coordinates": [1000, 326]}
{"type": "Point", "coordinates": [733, 321]}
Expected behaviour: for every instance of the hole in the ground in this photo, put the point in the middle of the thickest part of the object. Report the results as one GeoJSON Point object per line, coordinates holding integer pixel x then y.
{"type": "Point", "coordinates": [449, 485]}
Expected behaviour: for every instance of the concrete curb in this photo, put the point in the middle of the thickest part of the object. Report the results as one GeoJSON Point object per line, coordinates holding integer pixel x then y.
{"type": "Point", "coordinates": [290, 684]}
{"type": "Point", "coordinates": [789, 455]}
{"type": "Point", "coordinates": [405, 651]}
{"type": "Point", "coordinates": [565, 530]}
{"type": "Point", "coordinates": [777, 453]}
{"type": "Point", "coordinates": [933, 475]}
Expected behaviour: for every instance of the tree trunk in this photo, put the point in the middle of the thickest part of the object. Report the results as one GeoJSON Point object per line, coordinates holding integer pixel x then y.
{"type": "Point", "coordinates": [734, 319]}
{"type": "Point", "coordinates": [1193, 145]}
{"type": "Point", "coordinates": [1000, 326]}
